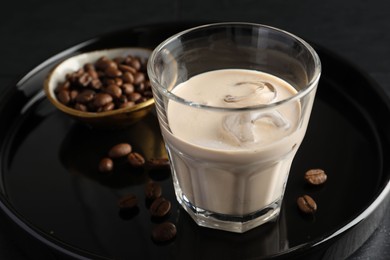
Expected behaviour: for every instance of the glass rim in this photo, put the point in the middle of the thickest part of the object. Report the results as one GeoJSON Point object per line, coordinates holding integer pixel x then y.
{"type": "Point", "coordinates": [171, 96]}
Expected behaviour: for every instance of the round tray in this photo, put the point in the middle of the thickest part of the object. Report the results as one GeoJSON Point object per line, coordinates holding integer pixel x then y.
{"type": "Point", "coordinates": [51, 189]}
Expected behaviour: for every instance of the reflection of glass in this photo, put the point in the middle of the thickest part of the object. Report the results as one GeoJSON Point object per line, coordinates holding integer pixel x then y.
{"type": "Point", "coordinates": [268, 240]}
{"type": "Point", "coordinates": [83, 147]}
{"type": "Point", "coordinates": [233, 102]}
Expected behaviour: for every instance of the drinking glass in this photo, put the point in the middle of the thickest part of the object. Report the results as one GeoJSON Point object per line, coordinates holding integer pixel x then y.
{"type": "Point", "coordinates": [241, 186]}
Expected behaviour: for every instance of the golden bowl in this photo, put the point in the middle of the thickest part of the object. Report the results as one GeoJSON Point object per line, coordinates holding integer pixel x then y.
{"type": "Point", "coordinates": [116, 118]}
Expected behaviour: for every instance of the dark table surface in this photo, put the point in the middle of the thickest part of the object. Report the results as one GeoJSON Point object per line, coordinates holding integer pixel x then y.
{"type": "Point", "coordinates": [357, 30]}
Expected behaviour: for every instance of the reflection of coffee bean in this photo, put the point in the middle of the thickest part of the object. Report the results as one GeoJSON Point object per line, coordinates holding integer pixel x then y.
{"type": "Point", "coordinates": [306, 204]}
{"type": "Point", "coordinates": [119, 150]}
{"type": "Point", "coordinates": [158, 163]}
{"type": "Point", "coordinates": [106, 165]}
{"type": "Point", "coordinates": [153, 190]}
{"type": "Point", "coordinates": [160, 207]}
{"type": "Point", "coordinates": [128, 206]}
{"type": "Point", "coordinates": [315, 176]}
{"type": "Point", "coordinates": [164, 232]}
{"type": "Point", "coordinates": [136, 160]}
{"type": "Point", "coordinates": [128, 201]}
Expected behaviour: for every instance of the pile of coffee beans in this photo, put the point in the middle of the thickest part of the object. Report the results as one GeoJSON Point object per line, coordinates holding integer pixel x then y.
{"type": "Point", "coordinates": [159, 206]}
{"type": "Point", "coordinates": [106, 85]}
{"type": "Point", "coordinates": [314, 177]}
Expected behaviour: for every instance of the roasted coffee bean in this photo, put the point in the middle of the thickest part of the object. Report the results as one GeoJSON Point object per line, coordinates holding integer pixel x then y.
{"type": "Point", "coordinates": [102, 63]}
{"type": "Point", "coordinates": [113, 72]}
{"type": "Point", "coordinates": [64, 96]}
{"type": "Point", "coordinates": [164, 232]}
{"type": "Point", "coordinates": [153, 190]}
{"type": "Point", "coordinates": [118, 60]}
{"type": "Point", "coordinates": [81, 107]}
{"type": "Point", "coordinates": [128, 60]}
{"type": "Point", "coordinates": [128, 201]}
{"type": "Point", "coordinates": [158, 163]}
{"type": "Point", "coordinates": [96, 84]}
{"type": "Point", "coordinates": [107, 107]}
{"type": "Point", "coordinates": [106, 165]}
{"type": "Point", "coordinates": [88, 67]}
{"type": "Point", "coordinates": [93, 74]}
{"type": "Point", "coordinates": [110, 64]}
{"type": "Point", "coordinates": [84, 79]}
{"type": "Point", "coordinates": [73, 94]}
{"type": "Point", "coordinates": [135, 63]}
{"type": "Point", "coordinates": [135, 159]}
{"type": "Point", "coordinates": [160, 207]}
{"type": "Point", "coordinates": [135, 96]}
{"type": "Point", "coordinates": [85, 96]}
{"type": "Point", "coordinates": [114, 90]}
{"type": "Point", "coordinates": [109, 81]}
{"type": "Point", "coordinates": [102, 99]}
{"type": "Point", "coordinates": [63, 86]}
{"type": "Point", "coordinates": [128, 77]}
{"type": "Point", "coordinates": [118, 81]}
{"type": "Point", "coordinates": [119, 150]}
{"type": "Point", "coordinates": [139, 77]}
{"type": "Point", "coordinates": [127, 68]}
{"type": "Point", "coordinates": [316, 176]}
{"type": "Point", "coordinates": [306, 204]}
{"type": "Point", "coordinates": [71, 77]}
{"type": "Point", "coordinates": [127, 88]}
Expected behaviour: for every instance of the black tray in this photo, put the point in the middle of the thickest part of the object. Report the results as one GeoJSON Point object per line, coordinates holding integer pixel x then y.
{"type": "Point", "coordinates": [51, 189]}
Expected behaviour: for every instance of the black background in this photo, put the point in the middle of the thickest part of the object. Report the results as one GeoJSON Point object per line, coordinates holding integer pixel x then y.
{"type": "Point", "coordinates": [32, 31]}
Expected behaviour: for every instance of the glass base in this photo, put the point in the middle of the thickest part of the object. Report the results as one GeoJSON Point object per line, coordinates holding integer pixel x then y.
{"type": "Point", "coordinates": [231, 223]}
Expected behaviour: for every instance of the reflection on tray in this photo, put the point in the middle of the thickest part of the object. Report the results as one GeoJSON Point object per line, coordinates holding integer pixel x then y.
{"type": "Point", "coordinates": [83, 147]}
{"type": "Point", "coordinates": [266, 240]}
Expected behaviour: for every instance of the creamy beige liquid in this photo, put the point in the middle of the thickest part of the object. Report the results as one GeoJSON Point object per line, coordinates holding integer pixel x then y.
{"type": "Point", "coordinates": [233, 163]}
